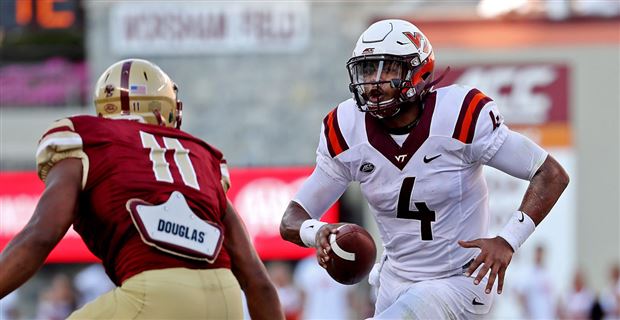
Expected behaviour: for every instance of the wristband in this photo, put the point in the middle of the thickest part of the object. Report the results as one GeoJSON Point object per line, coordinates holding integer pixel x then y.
{"type": "Point", "coordinates": [308, 231]}
{"type": "Point", "coordinates": [519, 227]}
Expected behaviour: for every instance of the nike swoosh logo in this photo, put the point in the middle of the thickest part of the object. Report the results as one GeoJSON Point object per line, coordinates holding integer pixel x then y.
{"type": "Point", "coordinates": [476, 303]}
{"type": "Point", "coordinates": [522, 217]}
{"type": "Point", "coordinates": [427, 160]}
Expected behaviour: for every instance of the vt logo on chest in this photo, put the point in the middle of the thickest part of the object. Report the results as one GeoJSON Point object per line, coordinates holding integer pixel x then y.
{"type": "Point", "coordinates": [401, 157]}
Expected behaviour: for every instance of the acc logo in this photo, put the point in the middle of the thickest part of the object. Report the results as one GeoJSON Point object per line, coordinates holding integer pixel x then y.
{"type": "Point", "coordinates": [367, 167]}
{"type": "Point", "coordinates": [110, 108]}
{"type": "Point", "coordinates": [368, 51]}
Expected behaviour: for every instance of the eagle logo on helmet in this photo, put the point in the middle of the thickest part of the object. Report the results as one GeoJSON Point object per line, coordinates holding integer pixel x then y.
{"type": "Point", "coordinates": [109, 90]}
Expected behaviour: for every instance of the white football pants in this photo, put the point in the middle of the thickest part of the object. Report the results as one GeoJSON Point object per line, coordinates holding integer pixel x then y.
{"type": "Point", "coordinates": [454, 297]}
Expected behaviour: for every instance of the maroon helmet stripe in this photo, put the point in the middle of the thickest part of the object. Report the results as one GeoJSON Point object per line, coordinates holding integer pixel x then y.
{"type": "Point", "coordinates": [472, 127]}
{"type": "Point", "coordinates": [464, 107]}
{"type": "Point", "coordinates": [125, 87]}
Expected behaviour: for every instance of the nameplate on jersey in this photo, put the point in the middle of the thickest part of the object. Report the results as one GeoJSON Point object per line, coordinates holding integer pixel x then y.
{"type": "Point", "coordinates": [174, 228]}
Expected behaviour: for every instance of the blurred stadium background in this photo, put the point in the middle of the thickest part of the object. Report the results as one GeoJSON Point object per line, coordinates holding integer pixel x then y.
{"type": "Point", "coordinates": [257, 77]}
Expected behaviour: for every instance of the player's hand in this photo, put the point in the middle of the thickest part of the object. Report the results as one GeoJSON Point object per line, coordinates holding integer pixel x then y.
{"type": "Point", "coordinates": [322, 242]}
{"type": "Point", "coordinates": [495, 255]}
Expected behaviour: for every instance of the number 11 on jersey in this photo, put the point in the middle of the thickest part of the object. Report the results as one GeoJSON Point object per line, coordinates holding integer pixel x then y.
{"type": "Point", "coordinates": [424, 214]}
{"type": "Point", "coordinates": [161, 168]}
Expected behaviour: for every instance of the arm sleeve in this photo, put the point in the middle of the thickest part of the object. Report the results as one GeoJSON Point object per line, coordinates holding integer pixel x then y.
{"type": "Point", "coordinates": [319, 192]}
{"type": "Point", "coordinates": [60, 141]}
{"type": "Point", "coordinates": [326, 184]}
{"type": "Point", "coordinates": [518, 156]}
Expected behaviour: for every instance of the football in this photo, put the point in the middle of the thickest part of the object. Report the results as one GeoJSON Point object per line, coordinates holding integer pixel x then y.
{"type": "Point", "coordinates": [352, 255]}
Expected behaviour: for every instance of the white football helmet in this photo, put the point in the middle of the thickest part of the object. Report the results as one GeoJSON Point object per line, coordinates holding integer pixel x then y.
{"type": "Point", "coordinates": [392, 63]}
{"type": "Point", "coordinates": [138, 89]}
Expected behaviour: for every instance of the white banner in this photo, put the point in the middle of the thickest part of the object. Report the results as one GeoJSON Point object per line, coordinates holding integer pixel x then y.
{"type": "Point", "coordinates": [188, 28]}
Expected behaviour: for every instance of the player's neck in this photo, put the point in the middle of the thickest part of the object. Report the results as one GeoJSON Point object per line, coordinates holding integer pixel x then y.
{"type": "Point", "coordinates": [404, 121]}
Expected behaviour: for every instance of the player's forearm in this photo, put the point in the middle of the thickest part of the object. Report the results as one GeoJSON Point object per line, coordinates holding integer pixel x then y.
{"type": "Point", "coordinates": [260, 293]}
{"type": "Point", "coordinates": [263, 301]}
{"type": "Point", "coordinates": [293, 217]}
{"type": "Point", "coordinates": [544, 190]}
{"type": "Point", "coordinates": [249, 271]}
{"type": "Point", "coordinates": [21, 258]}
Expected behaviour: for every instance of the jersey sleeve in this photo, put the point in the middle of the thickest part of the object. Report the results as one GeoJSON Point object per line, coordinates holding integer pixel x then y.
{"type": "Point", "coordinates": [59, 142]}
{"type": "Point", "coordinates": [331, 145]}
{"type": "Point", "coordinates": [486, 135]}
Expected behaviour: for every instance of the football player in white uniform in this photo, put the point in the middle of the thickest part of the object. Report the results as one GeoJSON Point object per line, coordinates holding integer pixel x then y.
{"type": "Point", "coordinates": [418, 153]}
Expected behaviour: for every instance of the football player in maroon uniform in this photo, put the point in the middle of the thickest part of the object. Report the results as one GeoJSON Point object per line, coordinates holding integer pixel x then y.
{"type": "Point", "coordinates": [149, 200]}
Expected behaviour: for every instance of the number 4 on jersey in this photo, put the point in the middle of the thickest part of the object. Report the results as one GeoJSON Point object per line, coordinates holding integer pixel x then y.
{"type": "Point", "coordinates": [424, 214]}
{"type": "Point", "coordinates": [161, 168]}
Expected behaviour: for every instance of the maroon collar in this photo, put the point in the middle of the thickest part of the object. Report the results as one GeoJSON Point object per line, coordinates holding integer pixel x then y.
{"type": "Point", "coordinates": [381, 140]}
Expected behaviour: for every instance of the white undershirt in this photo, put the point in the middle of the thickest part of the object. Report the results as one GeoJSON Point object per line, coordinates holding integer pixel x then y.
{"type": "Point", "coordinates": [400, 138]}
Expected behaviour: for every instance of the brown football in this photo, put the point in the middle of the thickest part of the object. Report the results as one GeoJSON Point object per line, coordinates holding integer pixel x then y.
{"type": "Point", "coordinates": [352, 255]}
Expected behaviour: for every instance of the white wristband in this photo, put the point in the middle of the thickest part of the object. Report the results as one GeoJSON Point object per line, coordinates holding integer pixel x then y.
{"type": "Point", "coordinates": [308, 231]}
{"type": "Point", "coordinates": [519, 227]}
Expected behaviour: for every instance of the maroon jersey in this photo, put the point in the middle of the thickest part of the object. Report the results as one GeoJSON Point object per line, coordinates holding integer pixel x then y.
{"type": "Point", "coordinates": [125, 160]}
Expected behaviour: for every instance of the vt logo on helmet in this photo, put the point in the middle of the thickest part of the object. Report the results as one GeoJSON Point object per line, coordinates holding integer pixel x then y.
{"type": "Point", "coordinates": [392, 63]}
{"type": "Point", "coordinates": [139, 90]}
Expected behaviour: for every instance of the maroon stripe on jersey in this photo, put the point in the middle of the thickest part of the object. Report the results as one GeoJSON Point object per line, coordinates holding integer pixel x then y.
{"type": "Point", "coordinates": [329, 145]}
{"type": "Point", "coordinates": [58, 129]}
{"type": "Point", "coordinates": [472, 127]}
{"type": "Point", "coordinates": [464, 107]}
{"type": "Point", "coordinates": [399, 156]}
{"type": "Point", "coordinates": [125, 87]}
{"type": "Point", "coordinates": [336, 143]}
{"type": "Point", "coordinates": [336, 127]}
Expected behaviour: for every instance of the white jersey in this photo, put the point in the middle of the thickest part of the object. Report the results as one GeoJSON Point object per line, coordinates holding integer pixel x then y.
{"type": "Point", "coordinates": [428, 192]}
